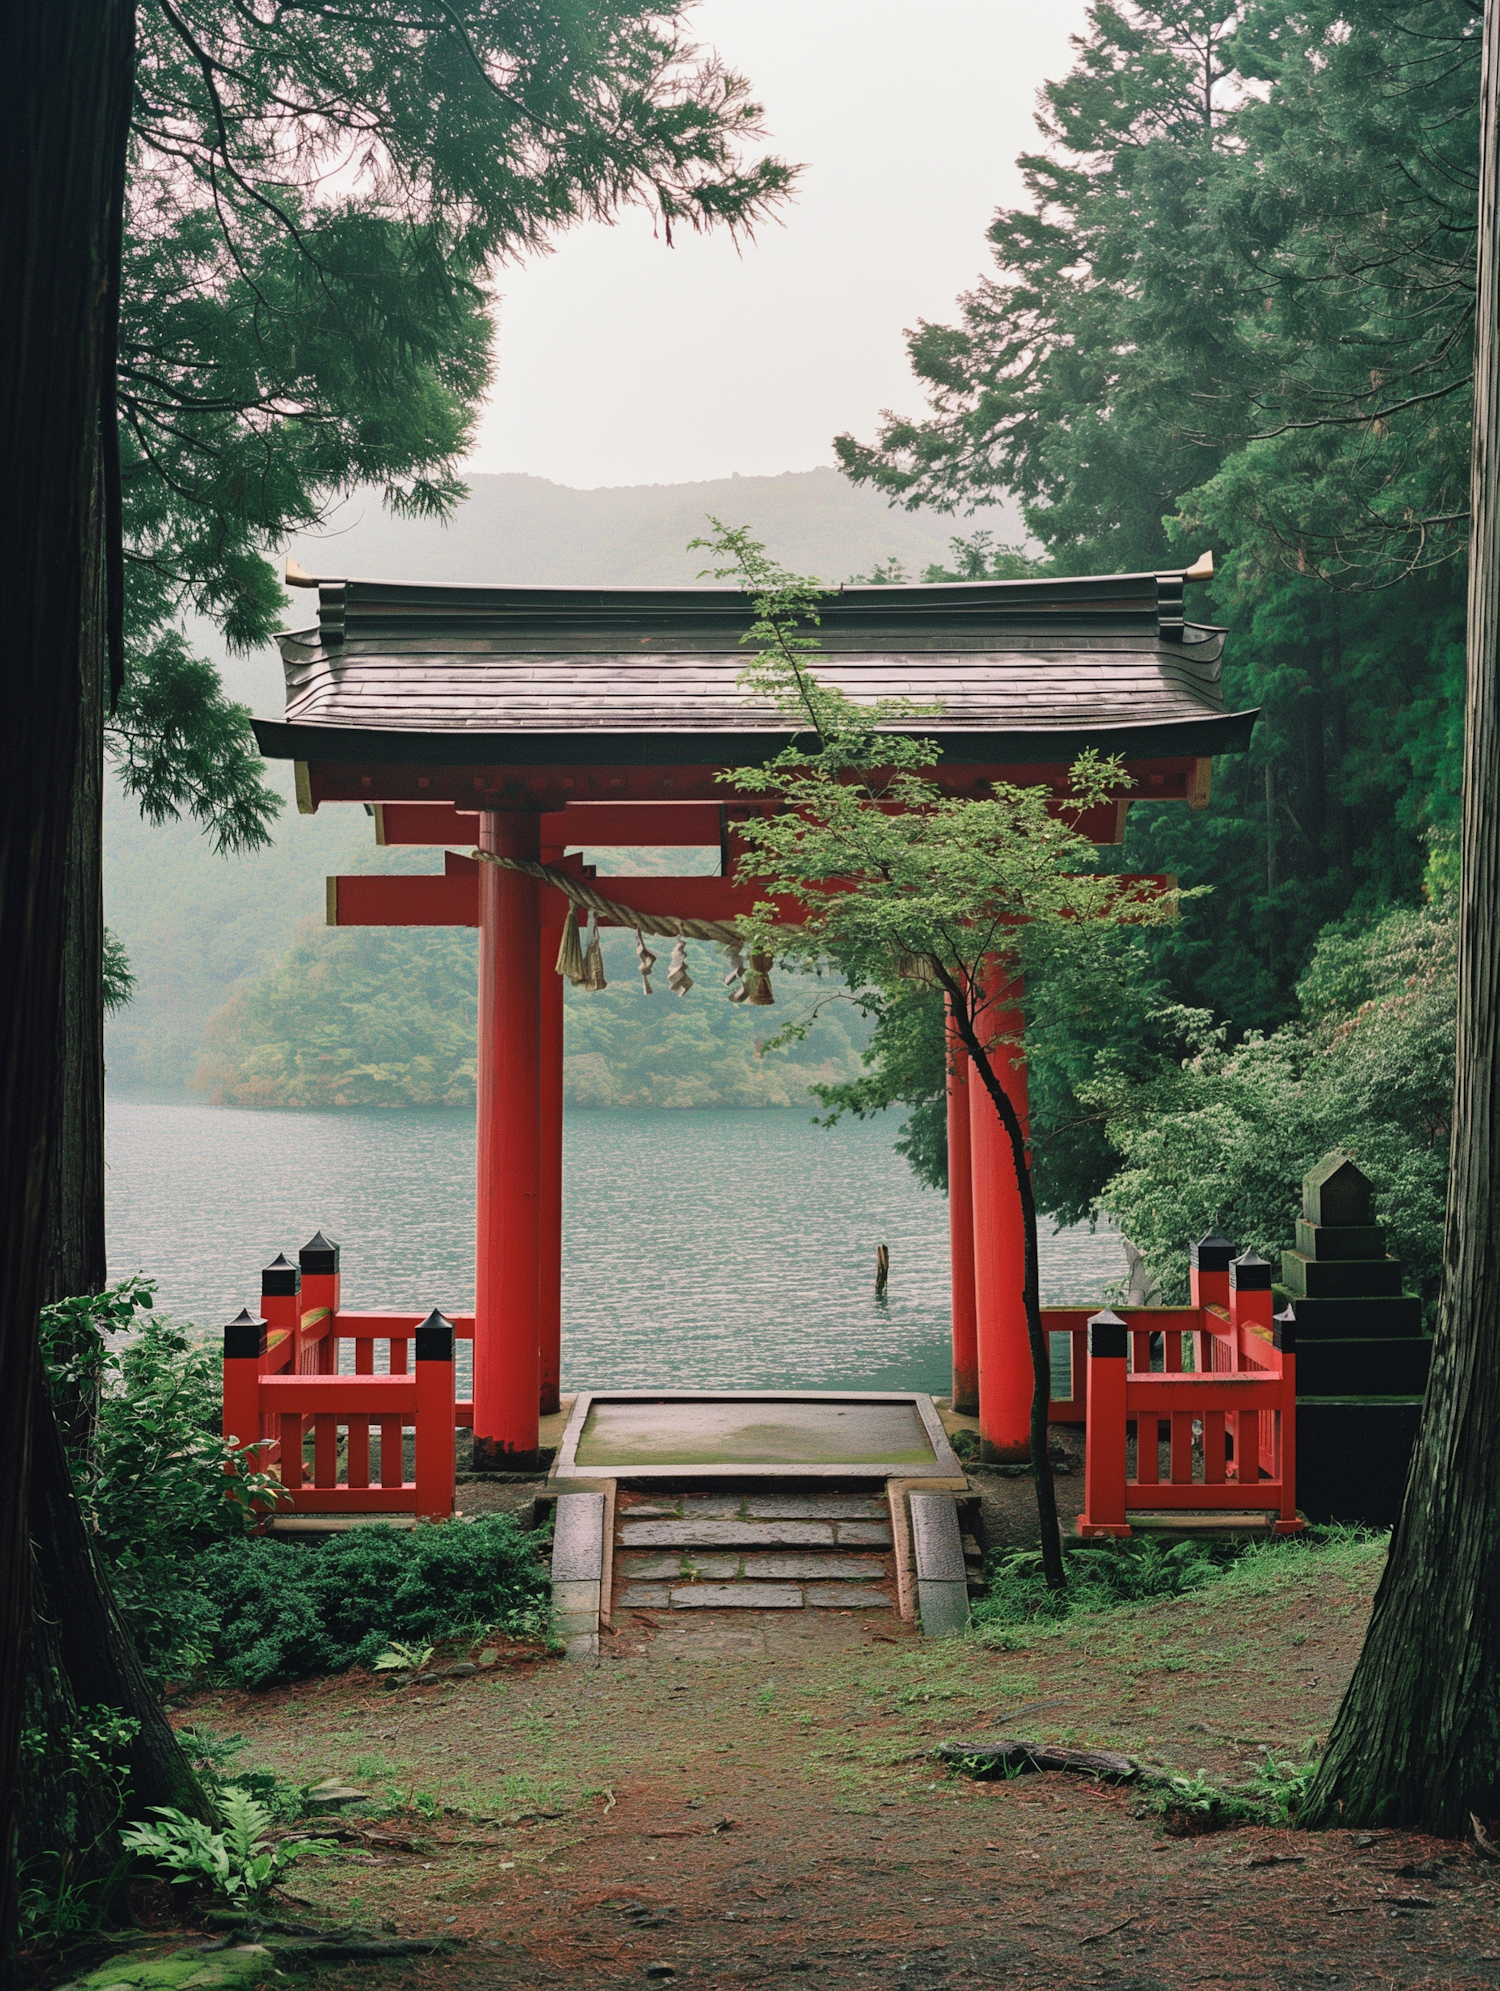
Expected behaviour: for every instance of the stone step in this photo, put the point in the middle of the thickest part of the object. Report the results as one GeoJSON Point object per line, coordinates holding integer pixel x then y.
{"type": "Point", "coordinates": [694, 1531]}
{"type": "Point", "coordinates": [745, 1596]}
{"type": "Point", "coordinates": [797, 1566]}
{"type": "Point", "coordinates": [733, 1506]}
{"type": "Point", "coordinates": [748, 1550]}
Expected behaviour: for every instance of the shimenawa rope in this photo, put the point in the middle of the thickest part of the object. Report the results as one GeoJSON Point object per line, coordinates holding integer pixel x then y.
{"type": "Point", "coordinates": [586, 970]}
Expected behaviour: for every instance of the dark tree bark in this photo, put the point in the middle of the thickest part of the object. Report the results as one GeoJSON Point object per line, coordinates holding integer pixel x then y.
{"type": "Point", "coordinates": [1417, 1739]}
{"type": "Point", "coordinates": [73, 1239]}
{"type": "Point", "coordinates": [64, 110]}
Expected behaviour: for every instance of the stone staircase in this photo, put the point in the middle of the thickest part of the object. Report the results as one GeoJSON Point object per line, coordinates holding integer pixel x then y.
{"type": "Point", "coordinates": [752, 1550]}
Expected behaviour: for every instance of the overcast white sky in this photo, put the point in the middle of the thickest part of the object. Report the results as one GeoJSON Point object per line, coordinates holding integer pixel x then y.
{"type": "Point", "coordinates": [624, 362]}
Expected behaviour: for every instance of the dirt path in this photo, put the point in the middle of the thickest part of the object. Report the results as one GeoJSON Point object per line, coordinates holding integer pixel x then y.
{"type": "Point", "coordinates": [751, 1801]}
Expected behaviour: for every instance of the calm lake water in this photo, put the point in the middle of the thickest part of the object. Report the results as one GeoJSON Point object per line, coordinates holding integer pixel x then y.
{"type": "Point", "coordinates": [717, 1250]}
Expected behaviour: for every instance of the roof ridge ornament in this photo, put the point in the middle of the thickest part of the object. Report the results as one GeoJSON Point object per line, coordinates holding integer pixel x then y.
{"type": "Point", "coordinates": [1202, 568]}
{"type": "Point", "coordinates": [297, 576]}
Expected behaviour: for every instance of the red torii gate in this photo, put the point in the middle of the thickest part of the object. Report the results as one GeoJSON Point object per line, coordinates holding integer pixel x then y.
{"type": "Point", "coordinates": [519, 721]}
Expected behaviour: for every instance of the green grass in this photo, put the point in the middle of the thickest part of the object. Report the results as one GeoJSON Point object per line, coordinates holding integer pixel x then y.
{"type": "Point", "coordinates": [1111, 1576]}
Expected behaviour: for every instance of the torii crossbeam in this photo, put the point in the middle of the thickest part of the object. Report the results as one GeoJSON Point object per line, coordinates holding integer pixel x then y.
{"type": "Point", "coordinates": [522, 721]}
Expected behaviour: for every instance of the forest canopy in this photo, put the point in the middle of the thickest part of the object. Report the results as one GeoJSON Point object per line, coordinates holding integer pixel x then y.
{"type": "Point", "coordinates": [1236, 311]}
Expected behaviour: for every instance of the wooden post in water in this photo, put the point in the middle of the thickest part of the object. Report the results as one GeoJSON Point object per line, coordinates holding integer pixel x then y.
{"type": "Point", "coordinates": [882, 1269]}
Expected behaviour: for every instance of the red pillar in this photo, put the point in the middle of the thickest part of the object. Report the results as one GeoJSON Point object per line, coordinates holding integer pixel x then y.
{"type": "Point", "coordinates": [549, 1209]}
{"type": "Point", "coordinates": [506, 1287]}
{"type": "Point", "coordinates": [1005, 1380]}
{"type": "Point", "coordinates": [961, 1231]}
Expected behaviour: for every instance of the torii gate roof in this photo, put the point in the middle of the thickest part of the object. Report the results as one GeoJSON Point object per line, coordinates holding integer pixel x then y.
{"type": "Point", "coordinates": [457, 680]}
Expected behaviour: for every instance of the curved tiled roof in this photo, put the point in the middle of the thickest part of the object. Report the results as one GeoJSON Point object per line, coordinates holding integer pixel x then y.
{"type": "Point", "coordinates": [1038, 668]}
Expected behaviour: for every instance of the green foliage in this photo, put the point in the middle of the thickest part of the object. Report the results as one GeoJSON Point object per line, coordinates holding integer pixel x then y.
{"type": "Point", "coordinates": [284, 1609]}
{"type": "Point", "coordinates": [180, 747]}
{"type": "Point", "coordinates": [84, 1769]}
{"type": "Point", "coordinates": [317, 202]}
{"type": "Point", "coordinates": [1222, 1139]}
{"type": "Point", "coordinates": [980, 558]}
{"type": "Point", "coordinates": [1100, 1578]}
{"type": "Point", "coordinates": [365, 1017]}
{"type": "Point", "coordinates": [168, 1502]}
{"type": "Point", "coordinates": [239, 1863]}
{"type": "Point", "coordinates": [1195, 1804]}
{"type": "Point", "coordinates": [119, 980]}
{"type": "Point", "coordinates": [1237, 309]}
{"type": "Point", "coordinates": [374, 1017]}
{"type": "Point", "coordinates": [905, 1065]}
{"type": "Point", "coordinates": [900, 880]}
{"type": "Point", "coordinates": [155, 1479]}
{"type": "Point", "coordinates": [399, 1657]}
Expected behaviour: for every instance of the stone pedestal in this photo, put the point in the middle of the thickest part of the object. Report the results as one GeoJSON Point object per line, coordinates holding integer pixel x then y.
{"type": "Point", "coordinates": [1361, 1353]}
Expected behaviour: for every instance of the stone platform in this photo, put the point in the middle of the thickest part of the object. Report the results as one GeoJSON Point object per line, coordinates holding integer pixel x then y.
{"type": "Point", "coordinates": [706, 1502]}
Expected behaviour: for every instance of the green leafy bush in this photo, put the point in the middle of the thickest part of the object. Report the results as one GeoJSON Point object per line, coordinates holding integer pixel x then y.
{"type": "Point", "coordinates": [156, 1481]}
{"type": "Point", "coordinates": [240, 1863]}
{"type": "Point", "coordinates": [1222, 1138]}
{"type": "Point", "coordinates": [168, 1502]}
{"type": "Point", "coordinates": [1100, 1577]}
{"type": "Point", "coordinates": [286, 1609]}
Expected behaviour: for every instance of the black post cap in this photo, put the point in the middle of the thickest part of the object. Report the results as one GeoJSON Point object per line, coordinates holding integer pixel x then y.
{"type": "Point", "coordinates": [1249, 1273]}
{"type": "Point", "coordinates": [1284, 1330]}
{"type": "Point", "coordinates": [1211, 1253]}
{"type": "Point", "coordinates": [244, 1337]}
{"type": "Point", "coordinates": [319, 1255]}
{"type": "Point", "coordinates": [279, 1278]}
{"type": "Point", "coordinates": [434, 1338]}
{"type": "Point", "coordinates": [1108, 1335]}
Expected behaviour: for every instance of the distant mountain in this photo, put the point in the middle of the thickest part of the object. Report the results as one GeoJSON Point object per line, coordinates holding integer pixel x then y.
{"type": "Point", "coordinates": [199, 928]}
{"type": "Point", "coordinates": [516, 528]}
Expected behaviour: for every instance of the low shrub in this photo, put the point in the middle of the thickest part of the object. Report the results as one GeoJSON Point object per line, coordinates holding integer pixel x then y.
{"type": "Point", "coordinates": [168, 1503]}
{"type": "Point", "coordinates": [140, 1399]}
{"type": "Point", "coordinates": [285, 1609]}
{"type": "Point", "coordinates": [1101, 1576]}
{"type": "Point", "coordinates": [240, 1863]}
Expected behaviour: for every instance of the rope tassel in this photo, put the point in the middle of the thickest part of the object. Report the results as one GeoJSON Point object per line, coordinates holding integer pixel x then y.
{"type": "Point", "coordinates": [570, 954]}
{"type": "Point", "coordinates": [679, 981]}
{"type": "Point", "coordinates": [593, 962]}
{"type": "Point", "coordinates": [753, 986]}
{"type": "Point", "coordinates": [758, 982]}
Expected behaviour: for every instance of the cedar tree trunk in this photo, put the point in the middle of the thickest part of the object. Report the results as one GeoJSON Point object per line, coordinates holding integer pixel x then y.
{"type": "Point", "coordinates": [1417, 1739]}
{"type": "Point", "coordinates": [64, 112]}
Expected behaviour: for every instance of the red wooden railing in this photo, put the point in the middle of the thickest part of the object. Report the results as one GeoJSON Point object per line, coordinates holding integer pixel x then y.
{"type": "Point", "coordinates": [1226, 1393]}
{"type": "Point", "coordinates": [283, 1380]}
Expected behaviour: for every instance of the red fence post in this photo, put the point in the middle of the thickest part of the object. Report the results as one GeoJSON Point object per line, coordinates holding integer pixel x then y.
{"type": "Point", "coordinates": [1250, 1341]}
{"type": "Point", "coordinates": [1208, 1270]}
{"type": "Point", "coordinates": [318, 1262]}
{"type": "Point", "coordinates": [244, 1345]}
{"type": "Point", "coordinates": [1284, 1336]}
{"type": "Point", "coordinates": [244, 1351]}
{"type": "Point", "coordinates": [1104, 1445]}
{"type": "Point", "coordinates": [435, 1399]}
{"type": "Point", "coordinates": [281, 1303]}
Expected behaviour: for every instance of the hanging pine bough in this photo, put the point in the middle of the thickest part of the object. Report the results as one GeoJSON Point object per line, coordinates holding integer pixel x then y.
{"type": "Point", "coordinates": [586, 969]}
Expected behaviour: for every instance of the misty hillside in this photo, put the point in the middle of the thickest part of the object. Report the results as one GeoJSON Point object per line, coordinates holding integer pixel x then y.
{"type": "Point", "coordinates": [199, 928]}
{"type": "Point", "coordinates": [518, 528]}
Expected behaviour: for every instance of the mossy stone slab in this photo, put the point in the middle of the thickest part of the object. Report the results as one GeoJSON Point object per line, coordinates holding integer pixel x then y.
{"type": "Point", "coordinates": [748, 1433]}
